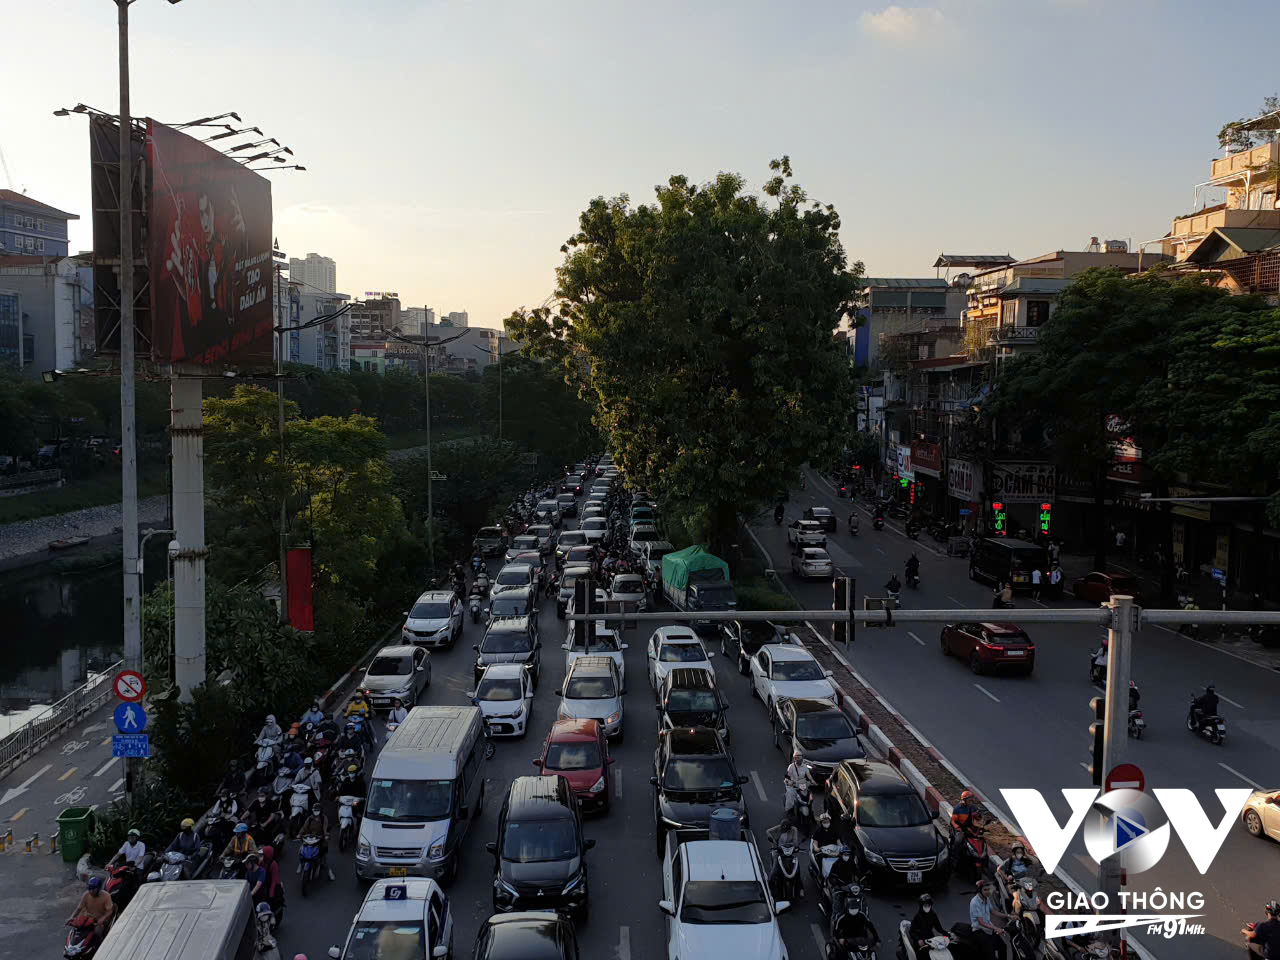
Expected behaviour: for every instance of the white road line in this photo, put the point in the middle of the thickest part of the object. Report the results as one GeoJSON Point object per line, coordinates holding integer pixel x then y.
{"type": "Point", "coordinates": [956, 602]}
{"type": "Point", "coordinates": [915, 638]}
{"type": "Point", "coordinates": [1256, 786]}
{"type": "Point", "coordinates": [987, 692]}
{"type": "Point", "coordinates": [1084, 765]}
{"type": "Point", "coordinates": [1239, 706]}
{"type": "Point", "coordinates": [617, 786]}
{"type": "Point", "coordinates": [755, 778]}
{"type": "Point", "coordinates": [624, 943]}
{"type": "Point", "coordinates": [880, 550]}
{"type": "Point", "coordinates": [105, 767]}
{"type": "Point", "coordinates": [116, 786]}
{"type": "Point", "coordinates": [819, 938]}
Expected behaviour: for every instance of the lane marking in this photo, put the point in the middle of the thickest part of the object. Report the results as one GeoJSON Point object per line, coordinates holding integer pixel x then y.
{"type": "Point", "coordinates": [1099, 689]}
{"type": "Point", "coordinates": [915, 638]}
{"type": "Point", "coordinates": [115, 786]}
{"type": "Point", "coordinates": [67, 774]}
{"type": "Point", "coordinates": [956, 602]}
{"type": "Point", "coordinates": [755, 778]}
{"type": "Point", "coordinates": [624, 943]}
{"type": "Point", "coordinates": [819, 938]}
{"type": "Point", "coordinates": [1256, 786]}
{"type": "Point", "coordinates": [105, 767]}
{"type": "Point", "coordinates": [617, 782]}
{"type": "Point", "coordinates": [19, 814]}
{"type": "Point", "coordinates": [105, 743]}
{"type": "Point", "coordinates": [880, 550]}
{"type": "Point", "coordinates": [987, 692]}
{"type": "Point", "coordinates": [1239, 706]}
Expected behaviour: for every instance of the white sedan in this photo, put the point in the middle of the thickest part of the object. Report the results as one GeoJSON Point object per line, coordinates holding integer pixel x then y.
{"type": "Point", "coordinates": [629, 588]}
{"type": "Point", "coordinates": [596, 528]}
{"type": "Point", "coordinates": [671, 648]}
{"type": "Point", "coordinates": [505, 697]}
{"type": "Point", "coordinates": [811, 562]}
{"type": "Point", "coordinates": [788, 671]}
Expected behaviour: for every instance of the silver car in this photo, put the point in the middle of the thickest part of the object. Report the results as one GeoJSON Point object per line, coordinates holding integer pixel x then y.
{"type": "Point", "coordinates": [400, 672]}
{"type": "Point", "coordinates": [521, 544]}
{"type": "Point", "coordinates": [435, 620]}
{"type": "Point", "coordinates": [513, 576]}
{"type": "Point", "coordinates": [546, 537]}
{"type": "Point", "coordinates": [811, 562]}
{"type": "Point", "coordinates": [593, 691]}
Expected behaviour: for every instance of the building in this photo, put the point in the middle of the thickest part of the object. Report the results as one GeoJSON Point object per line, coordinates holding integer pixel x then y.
{"type": "Point", "coordinates": [318, 273]}
{"type": "Point", "coordinates": [1243, 259]}
{"type": "Point", "coordinates": [327, 345]}
{"type": "Point", "coordinates": [374, 317]}
{"type": "Point", "coordinates": [455, 319]}
{"type": "Point", "coordinates": [46, 314]}
{"type": "Point", "coordinates": [30, 227]}
{"type": "Point", "coordinates": [480, 344]}
{"type": "Point", "coordinates": [369, 356]}
{"type": "Point", "coordinates": [892, 305]}
{"type": "Point", "coordinates": [413, 320]}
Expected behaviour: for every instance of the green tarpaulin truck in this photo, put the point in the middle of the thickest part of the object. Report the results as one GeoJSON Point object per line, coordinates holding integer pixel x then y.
{"type": "Point", "coordinates": [693, 579]}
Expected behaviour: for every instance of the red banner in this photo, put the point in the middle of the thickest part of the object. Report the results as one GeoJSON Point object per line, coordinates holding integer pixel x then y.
{"type": "Point", "coordinates": [300, 596]}
{"type": "Point", "coordinates": [926, 458]}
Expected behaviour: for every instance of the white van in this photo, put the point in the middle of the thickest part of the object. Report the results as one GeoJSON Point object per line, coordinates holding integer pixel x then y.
{"type": "Point", "coordinates": [425, 792]}
{"type": "Point", "coordinates": [192, 920]}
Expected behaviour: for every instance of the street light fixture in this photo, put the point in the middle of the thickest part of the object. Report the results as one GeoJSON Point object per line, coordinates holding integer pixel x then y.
{"type": "Point", "coordinates": [247, 146]}
{"type": "Point", "coordinates": [232, 132]}
{"type": "Point", "coordinates": [489, 353]}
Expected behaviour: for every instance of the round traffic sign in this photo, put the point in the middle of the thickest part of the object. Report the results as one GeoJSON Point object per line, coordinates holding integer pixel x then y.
{"type": "Point", "coordinates": [130, 686]}
{"type": "Point", "coordinates": [1126, 776]}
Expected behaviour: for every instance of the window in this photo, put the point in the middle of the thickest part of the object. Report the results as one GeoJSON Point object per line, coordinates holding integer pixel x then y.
{"type": "Point", "coordinates": [1037, 312]}
{"type": "Point", "coordinates": [17, 242]}
{"type": "Point", "coordinates": [677, 874]}
{"type": "Point", "coordinates": [40, 225]}
{"type": "Point", "coordinates": [31, 243]}
{"type": "Point", "coordinates": [40, 245]}
{"type": "Point", "coordinates": [28, 223]}
{"type": "Point", "coordinates": [471, 769]}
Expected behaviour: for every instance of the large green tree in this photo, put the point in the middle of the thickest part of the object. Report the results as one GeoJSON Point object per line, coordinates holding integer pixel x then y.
{"type": "Point", "coordinates": [700, 328]}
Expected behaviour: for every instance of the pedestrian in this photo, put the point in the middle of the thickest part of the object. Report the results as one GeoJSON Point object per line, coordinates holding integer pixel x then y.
{"type": "Point", "coordinates": [1120, 540]}
{"type": "Point", "coordinates": [1054, 550]}
{"type": "Point", "coordinates": [982, 918]}
{"type": "Point", "coordinates": [995, 598]}
{"type": "Point", "coordinates": [1035, 583]}
{"type": "Point", "coordinates": [1055, 582]}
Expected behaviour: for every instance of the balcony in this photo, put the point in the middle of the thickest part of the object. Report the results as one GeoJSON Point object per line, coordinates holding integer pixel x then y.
{"type": "Point", "coordinates": [1197, 225]}
{"type": "Point", "coordinates": [1013, 335]}
{"type": "Point", "coordinates": [1238, 164]}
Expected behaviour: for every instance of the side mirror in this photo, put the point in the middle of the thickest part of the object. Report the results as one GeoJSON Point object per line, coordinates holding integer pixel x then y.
{"type": "Point", "coordinates": [335, 952]}
{"type": "Point", "coordinates": [626, 646]}
{"type": "Point", "coordinates": [588, 844]}
{"type": "Point", "coordinates": [782, 906]}
{"type": "Point", "coordinates": [537, 762]}
{"type": "Point", "coordinates": [654, 781]}
{"type": "Point", "coordinates": [440, 950]}
{"type": "Point", "coordinates": [564, 646]}
{"type": "Point", "coordinates": [475, 647]}
{"type": "Point", "coordinates": [667, 907]}
{"type": "Point", "coordinates": [475, 702]}
{"type": "Point", "coordinates": [492, 847]}
{"type": "Point", "coordinates": [658, 707]}
{"type": "Point", "coordinates": [421, 668]}
{"type": "Point", "coordinates": [743, 779]}
{"type": "Point", "coordinates": [710, 654]}
{"type": "Point", "coordinates": [485, 611]}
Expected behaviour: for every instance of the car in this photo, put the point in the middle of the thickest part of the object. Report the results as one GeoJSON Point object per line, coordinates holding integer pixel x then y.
{"type": "Point", "coordinates": [715, 895]}
{"type": "Point", "coordinates": [820, 731]}
{"type": "Point", "coordinates": [548, 511]}
{"type": "Point", "coordinates": [823, 516]}
{"type": "Point", "coordinates": [629, 588]}
{"type": "Point", "coordinates": [811, 563]}
{"type": "Point", "coordinates": [651, 554]}
{"type": "Point", "coordinates": [593, 688]}
{"type": "Point", "coordinates": [404, 916]}
{"type": "Point", "coordinates": [1099, 587]}
{"type": "Point", "coordinates": [515, 602]}
{"type": "Point", "coordinates": [505, 697]}
{"type": "Point", "coordinates": [806, 533]}
{"type": "Point", "coordinates": [540, 856]}
{"type": "Point", "coordinates": [510, 640]}
{"type": "Point", "coordinates": [690, 698]}
{"type": "Point", "coordinates": [694, 775]}
{"type": "Point", "coordinates": [399, 672]}
{"type": "Point", "coordinates": [568, 505]}
{"type": "Point", "coordinates": [672, 647]}
{"type": "Point", "coordinates": [788, 671]}
{"type": "Point", "coordinates": [546, 537]}
{"type": "Point", "coordinates": [528, 935]}
{"type": "Point", "coordinates": [434, 620]}
{"type": "Point", "coordinates": [568, 540]}
{"type": "Point", "coordinates": [579, 751]}
{"type": "Point", "coordinates": [1261, 814]}
{"type": "Point", "coordinates": [891, 832]}
{"type": "Point", "coordinates": [595, 528]}
{"type": "Point", "coordinates": [536, 560]}
{"type": "Point", "coordinates": [569, 576]}
{"type": "Point", "coordinates": [524, 543]}
{"type": "Point", "coordinates": [643, 513]}
{"type": "Point", "coordinates": [583, 555]}
{"type": "Point", "coordinates": [641, 534]}
{"type": "Point", "coordinates": [572, 485]}
{"type": "Point", "coordinates": [513, 576]}
{"type": "Point", "coordinates": [594, 508]}
{"type": "Point", "coordinates": [989, 646]}
{"type": "Point", "coordinates": [607, 641]}
{"type": "Point", "coordinates": [742, 639]}
{"type": "Point", "coordinates": [491, 541]}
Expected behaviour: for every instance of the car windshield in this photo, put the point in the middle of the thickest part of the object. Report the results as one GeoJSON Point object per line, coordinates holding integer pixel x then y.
{"type": "Point", "coordinates": [595, 523]}
{"type": "Point", "coordinates": [824, 726]}
{"type": "Point", "coordinates": [506, 641]}
{"type": "Point", "coordinates": [628, 585]}
{"type": "Point", "coordinates": [796, 670]}
{"type": "Point", "coordinates": [548, 506]}
{"type": "Point", "coordinates": [716, 593]}
{"type": "Point", "coordinates": [391, 667]}
{"type": "Point", "coordinates": [724, 901]}
{"type": "Point", "coordinates": [699, 700]}
{"type": "Point", "coordinates": [386, 940]}
{"type": "Point", "coordinates": [756, 634]}
{"type": "Point", "coordinates": [533, 841]}
{"type": "Point", "coordinates": [489, 533]}
{"type": "Point", "coordinates": [524, 543]}
{"type": "Point", "coordinates": [892, 810]}
{"type": "Point", "coordinates": [698, 774]}
{"type": "Point", "coordinates": [590, 688]}
{"type": "Point", "coordinates": [509, 606]}
{"type": "Point", "coordinates": [541, 532]}
{"type": "Point", "coordinates": [433, 610]}
{"type": "Point", "coordinates": [409, 801]}
{"type": "Point", "coordinates": [574, 538]}
{"type": "Point", "coordinates": [573, 756]}
{"type": "Point", "coordinates": [657, 553]}
{"type": "Point", "coordinates": [816, 555]}
{"type": "Point", "coordinates": [498, 688]}
{"type": "Point", "coordinates": [682, 653]}
{"type": "Point", "coordinates": [511, 578]}
{"type": "Point", "coordinates": [603, 643]}
{"type": "Point", "coordinates": [580, 554]}
{"type": "Point", "coordinates": [1026, 560]}
{"type": "Point", "coordinates": [643, 536]}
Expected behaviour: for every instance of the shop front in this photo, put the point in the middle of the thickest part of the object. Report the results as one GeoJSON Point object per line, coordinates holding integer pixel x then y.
{"type": "Point", "coordinates": [930, 489]}
{"type": "Point", "coordinates": [1020, 498]}
{"type": "Point", "coordinates": [964, 494]}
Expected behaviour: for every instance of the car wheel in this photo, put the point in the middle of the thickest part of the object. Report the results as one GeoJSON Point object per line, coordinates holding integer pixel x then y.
{"type": "Point", "coordinates": [975, 664]}
{"type": "Point", "coordinates": [1253, 823]}
{"type": "Point", "coordinates": [942, 640]}
{"type": "Point", "coordinates": [773, 727]}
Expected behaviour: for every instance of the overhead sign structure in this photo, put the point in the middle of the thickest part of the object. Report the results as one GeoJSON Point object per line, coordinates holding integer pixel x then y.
{"type": "Point", "coordinates": [130, 718]}
{"type": "Point", "coordinates": [134, 746]}
{"type": "Point", "coordinates": [130, 686]}
{"type": "Point", "coordinates": [1126, 776]}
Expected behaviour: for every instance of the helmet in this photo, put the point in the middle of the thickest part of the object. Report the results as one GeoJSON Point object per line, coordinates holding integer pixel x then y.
{"type": "Point", "coordinates": [1017, 848]}
{"type": "Point", "coordinates": [263, 907]}
{"type": "Point", "coordinates": [353, 769]}
{"type": "Point", "coordinates": [853, 907]}
{"type": "Point", "coordinates": [926, 900]}
{"type": "Point", "coordinates": [95, 883]}
{"type": "Point", "coordinates": [1132, 685]}
{"type": "Point", "coordinates": [1105, 641]}
{"type": "Point", "coordinates": [271, 718]}
{"type": "Point", "coordinates": [966, 795]}
{"type": "Point", "coordinates": [1209, 688]}
{"type": "Point", "coordinates": [187, 823]}
{"type": "Point", "coordinates": [1273, 907]}
{"type": "Point", "coordinates": [845, 852]}
{"type": "Point", "coordinates": [825, 816]}
{"type": "Point", "coordinates": [134, 832]}
{"type": "Point", "coordinates": [241, 827]}
{"type": "Point", "coordinates": [262, 791]}
{"type": "Point", "coordinates": [309, 762]}
{"type": "Point", "coordinates": [349, 728]}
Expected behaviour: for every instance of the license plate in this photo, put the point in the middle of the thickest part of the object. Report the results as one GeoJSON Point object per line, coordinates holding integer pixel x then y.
{"type": "Point", "coordinates": [1019, 579]}
{"type": "Point", "coordinates": [915, 876]}
{"type": "Point", "coordinates": [398, 872]}
{"type": "Point", "coordinates": [1016, 653]}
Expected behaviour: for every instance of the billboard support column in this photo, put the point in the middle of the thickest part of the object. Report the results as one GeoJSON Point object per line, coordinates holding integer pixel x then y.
{"type": "Point", "coordinates": [187, 432]}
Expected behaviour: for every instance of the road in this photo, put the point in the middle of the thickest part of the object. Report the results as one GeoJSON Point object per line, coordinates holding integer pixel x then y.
{"type": "Point", "coordinates": [626, 878]}
{"type": "Point", "coordinates": [1032, 731]}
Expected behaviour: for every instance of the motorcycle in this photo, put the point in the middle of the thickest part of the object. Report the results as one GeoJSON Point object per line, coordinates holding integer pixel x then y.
{"type": "Point", "coordinates": [935, 948]}
{"type": "Point", "coordinates": [231, 868]}
{"type": "Point", "coordinates": [877, 523]}
{"type": "Point", "coordinates": [853, 525]}
{"type": "Point", "coordinates": [857, 949]}
{"type": "Point", "coordinates": [891, 600]}
{"type": "Point", "coordinates": [784, 875]}
{"type": "Point", "coordinates": [833, 900]}
{"type": "Point", "coordinates": [124, 879]}
{"type": "Point", "coordinates": [1026, 932]}
{"type": "Point", "coordinates": [974, 861]}
{"type": "Point", "coordinates": [1136, 724]}
{"type": "Point", "coordinates": [802, 804]}
{"type": "Point", "coordinates": [309, 860]}
{"type": "Point", "coordinates": [264, 933]}
{"type": "Point", "coordinates": [1213, 727]}
{"type": "Point", "coordinates": [83, 938]}
{"type": "Point", "coordinates": [1097, 671]}
{"type": "Point", "coordinates": [474, 604]}
{"type": "Point", "coordinates": [913, 581]}
{"type": "Point", "coordinates": [777, 517]}
{"type": "Point", "coordinates": [299, 806]}
{"type": "Point", "coordinates": [482, 581]}
{"type": "Point", "coordinates": [347, 820]}
{"type": "Point", "coordinates": [176, 866]}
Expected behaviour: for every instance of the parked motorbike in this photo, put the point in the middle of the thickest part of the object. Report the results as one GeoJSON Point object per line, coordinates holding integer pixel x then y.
{"type": "Point", "coordinates": [1213, 727]}
{"type": "Point", "coordinates": [784, 875]}
{"type": "Point", "coordinates": [83, 938]}
{"type": "Point", "coordinates": [347, 820]}
{"type": "Point", "coordinates": [935, 948]}
{"type": "Point", "coordinates": [1136, 724]}
{"type": "Point", "coordinates": [309, 860]}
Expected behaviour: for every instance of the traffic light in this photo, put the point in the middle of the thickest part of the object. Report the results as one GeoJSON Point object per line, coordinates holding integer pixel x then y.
{"type": "Point", "coordinates": [842, 591]}
{"type": "Point", "coordinates": [1098, 733]}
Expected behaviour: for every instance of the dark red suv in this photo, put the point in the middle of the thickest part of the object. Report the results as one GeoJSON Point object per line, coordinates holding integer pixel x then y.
{"type": "Point", "coordinates": [989, 646]}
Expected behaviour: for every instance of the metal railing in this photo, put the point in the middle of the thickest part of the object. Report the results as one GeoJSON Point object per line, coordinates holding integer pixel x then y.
{"type": "Point", "coordinates": [36, 732]}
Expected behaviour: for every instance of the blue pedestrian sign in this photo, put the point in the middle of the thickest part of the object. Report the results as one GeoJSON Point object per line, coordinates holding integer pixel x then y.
{"type": "Point", "coordinates": [130, 718]}
{"type": "Point", "coordinates": [1219, 575]}
{"type": "Point", "coordinates": [965, 511]}
{"type": "Point", "coordinates": [132, 745]}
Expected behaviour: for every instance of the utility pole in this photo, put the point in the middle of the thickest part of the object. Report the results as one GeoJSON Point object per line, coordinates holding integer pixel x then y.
{"type": "Point", "coordinates": [431, 517]}
{"type": "Point", "coordinates": [284, 490]}
{"type": "Point", "coordinates": [1116, 723]}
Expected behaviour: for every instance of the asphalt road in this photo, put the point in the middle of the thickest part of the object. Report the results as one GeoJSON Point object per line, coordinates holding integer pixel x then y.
{"type": "Point", "coordinates": [625, 876]}
{"type": "Point", "coordinates": [1015, 731]}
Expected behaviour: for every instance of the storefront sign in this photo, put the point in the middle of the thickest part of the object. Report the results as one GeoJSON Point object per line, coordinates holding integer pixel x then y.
{"type": "Point", "coordinates": [891, 455]}
{"type": "Point", "coordinates": [1192, 511]}
{"type": "Point", "coordinates": [904, 463]}
{"type": "Point", "coordinates": [927, 458]}
{"type": "Point", "coordinates": [1023, 481]}
{"type": "Point", "coordinates": [1125, 469]}
{"type": "Point", "coordinates": [964, 480]}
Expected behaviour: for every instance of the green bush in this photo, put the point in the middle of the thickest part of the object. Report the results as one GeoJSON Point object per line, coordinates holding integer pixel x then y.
{"type": "Point", "coordinates": [760, 594]}
{"type": "Point", "coordinates": [157, 811]}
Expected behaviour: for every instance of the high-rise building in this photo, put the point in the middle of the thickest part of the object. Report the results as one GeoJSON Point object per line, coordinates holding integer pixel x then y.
{"type": "Point", "coordinates": [415, 320]}
{"type": "Point", "coordinates": [374, 318]}
{"type": "Point", "coordinates": [318, 273]}
{"type": "Point", "coordinates": [455, 319]}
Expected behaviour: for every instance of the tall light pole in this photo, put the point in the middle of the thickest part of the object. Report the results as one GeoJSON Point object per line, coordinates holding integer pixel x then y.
{"type": "Point", "coordinates": [489, 353]}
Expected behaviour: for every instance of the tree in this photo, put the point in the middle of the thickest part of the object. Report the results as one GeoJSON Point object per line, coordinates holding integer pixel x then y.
{"type": "Point", "coordinates": [700, 328]}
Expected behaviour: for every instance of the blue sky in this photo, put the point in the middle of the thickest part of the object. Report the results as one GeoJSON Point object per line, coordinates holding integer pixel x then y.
{"type": "Point", "coordinates": [450, 145]}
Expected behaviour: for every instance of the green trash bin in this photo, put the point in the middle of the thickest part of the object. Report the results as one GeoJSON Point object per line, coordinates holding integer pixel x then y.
{"type": "Point", "coordinates": [73, 832]}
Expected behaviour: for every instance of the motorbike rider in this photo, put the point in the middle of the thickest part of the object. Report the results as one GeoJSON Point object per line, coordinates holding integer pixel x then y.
{"type": "Point", "coordinates": [358, 705]}
{"type": "Point", "coordinates": [271, 730]}
{"type": "Point", "coordinates": [188, 842]}
{"type": "Point", "coordinates": [842, 872]}
{"type": "Point", "coordinates": [233, 780]}
{"type": "Point", "coordinates": [1264, 941]}
{"type": "Point", "coordinates": [266, 809]}
{"type": "Point", "coordinates": [961, 815]}
{"type": "Point", "coordinates": [364, 730]}
{"type": "Point", "coordinates": [353, 785]}
{"type": "Point", "coordinates": [1019, 865]}
{"type": "Point", "coordinates": [784, 831]}
{"type": "Point", "coordinates": [274, 888]}
{"type": "Point", "coordinates": [853, 521]}
{"type": "Point", "coordinates": [291, 752]}
{"type": "Point", "coordinates": [778, 513]}
{"type": "Point", "coordinates": [317, 825]}
{"type": "Point", "coordinates": [97, 903]}
{"type": "Point", "coordinates": [1134, 696]}
{"type": "Point", "coordinates": [1205, 705]}
{"type": "Point", "coordinates": [310, 776]}
{"type": "Point", "coordinates": [853, 924]}
{"type": "Point", "coordinates": [925, 925]}
{"type": "Point", "coordinates": [314, 715]}
{"type": "Point", "coordinates": [350, 740]}
{"type": "Point", "coordinates": [894, 586]}
{"type": "Point", "coordinates": [226, 805]}
{"type": "Point", "coordinates": [241, 843]}
{"type": "Point", "coordinates": [984, 918]}
{"type": "Point", "coordinates": [824, 835]}
{"type": "Point", "coordinates": [132, 851]}
{"type": "Point", "coordinates": [397, 713]}
{"type": "Point", "coordinates": [256, 876]}
{"type": "Point", "coordinates": [913, 567]}
{"type": "Point", "coordinates": [1099, 658]}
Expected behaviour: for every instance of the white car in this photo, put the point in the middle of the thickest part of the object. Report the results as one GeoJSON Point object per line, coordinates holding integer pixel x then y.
{"type": "Point", "coordinates": [641, 534]}
{"type": "Point", "coordinates": [505, 697]}
{"type": "Point", "coordinates": [629, 588]}
{"type": "Point", "coordinates": [1261, 814]}
{"type": "Point", "coordinates": [596, 528]}
{"type": "Point", "coordinates": [671, 648]}
{"type": "Point", "coordinates": [435, 620]}
{"type": "Point", "coordinates": [811, 562]}
{"type": "Point", "coordinates": [400, 915]}
{"type": "Point", "coordinates": [717, 902]}
{"type": "Point", "coordinates": [514, 576]}
{"type": "Point", "coordinates": [806, 533]}
{"type": "Point", "coordinates": [788, 671]}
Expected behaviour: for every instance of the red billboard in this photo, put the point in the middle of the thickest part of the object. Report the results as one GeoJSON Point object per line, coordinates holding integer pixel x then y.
{"type": "Point", "coordinates": [210, 252]}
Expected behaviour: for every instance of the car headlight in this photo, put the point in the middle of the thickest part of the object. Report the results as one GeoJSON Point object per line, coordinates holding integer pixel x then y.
{"type": "Point", "coordinates": [363, 850]}
{"type": "Point", "coordinates": [943, 852]}
{"type": "Point", "coordinates": [503, 889]}
{"type": "Point", "coordinates": [572, 885]}
{"type": "Point", "coordinates": [437, 850]}
{"type": "Point", "coordinates": [597, 786]}
{"type": "Point", "coordinates": [872, 856]}
{"type": "Point", "coordinates": [613, 717]}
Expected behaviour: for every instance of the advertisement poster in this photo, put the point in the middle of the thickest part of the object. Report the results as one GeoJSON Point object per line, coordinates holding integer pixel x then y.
{"type": "Point", "coordinates": [1023, 481]}
{"type": "Point", "coordinates": [210, 251]}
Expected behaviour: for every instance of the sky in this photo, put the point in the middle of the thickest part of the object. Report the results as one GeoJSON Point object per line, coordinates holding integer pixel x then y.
{"type": "Point", "coordinates": [450, 145]}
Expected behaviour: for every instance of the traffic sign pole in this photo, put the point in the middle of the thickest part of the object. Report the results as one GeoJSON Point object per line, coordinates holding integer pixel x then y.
{"type": "Point", "coordinates": [1116, 731]}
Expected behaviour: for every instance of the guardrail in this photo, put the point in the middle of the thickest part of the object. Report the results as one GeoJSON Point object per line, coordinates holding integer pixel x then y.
{"type": "Point", "coordinates": [32, 478]}
{"type": "Point", "coordinates": [32, 735]}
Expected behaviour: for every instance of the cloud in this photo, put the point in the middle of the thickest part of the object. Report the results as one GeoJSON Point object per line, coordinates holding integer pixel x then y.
{"type": "Point", "coordinates": [903, 23]}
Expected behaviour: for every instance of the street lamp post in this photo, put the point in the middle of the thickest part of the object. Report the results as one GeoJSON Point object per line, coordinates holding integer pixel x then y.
{"type": "Point", "coordinates": [489, 353]}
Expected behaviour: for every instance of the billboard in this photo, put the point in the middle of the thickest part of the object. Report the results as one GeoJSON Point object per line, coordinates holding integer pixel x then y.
{"type": "Point", "coordinates": [1023, 481]}
{"type": "Point", "coordinates": [210, 255]}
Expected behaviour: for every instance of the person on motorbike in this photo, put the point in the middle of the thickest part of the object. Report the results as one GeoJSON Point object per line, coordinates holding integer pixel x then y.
{"type": "Point", "coordinates": [1006, 595]}
{"type": "Point", "coordinates": [271, 730]}
{"type": "Point", "coordinates": [985, 920]}
{"type": "Point", "coordinates": [853, 924]}
{"type": "Point", "coordinates": [256, 876]}
{"type": "Point", "coordinates": [778, 512]}
{"type": "Point", "coordinates": [894, 586]}
{"type": "Point", "coordinates": [241, 843]}
{"type": "Point", "coordinates": [233, 780]}
{"type": "Point", "coordinates": [97, 903]}
{"type": "Point", "coordinates": [291, 752]}
{"type": "Point", "coordinates": [1205, 705]}
{"type": "Point", "coordinates": [315, 714]}
{"type": "Point", "coordinates": [925, 925]}
{"type": "Point", "coordinates": [1019, 865]}
{"type": "Point", "coordinates": [1099, 658]}
{"type": "Point", "coordinates": [353, 785]}
{"type": "Point", "coordinates": [843, 871]}
{"type": "Point", "coordinates": [784, 831]}
{"type": "Point", "coordinates": [132, 851]}
{"type": "Point", "coordinates": [226, 805]}
{"type": "Point", "coordinates": [1264, 941]}
{"type": "Point", "coordinates": [266, 809]}
{"type": "Point", "coordinates": [188, 842]}
{"type": "Point", "coordinates": [274, 888]}
{"type": "Point", "coordinates": [350, 739]}
{"type": "Point", "coordinates": [853, 521]}
{"type": "Point", "coordinates": [397, 713]}
{"type": "Point", "coordinates": [824, 835]}
{"type": "Point", "coordinates": [913, 567]}
{"type": "Point", "coordinates": [317, 825]}
{"type": "Point", "coordinates": [1134, 696]}
{"type": "Point", "coordinates": [961, 814]}
{"type": "Point", "coordinates": [357, 706]}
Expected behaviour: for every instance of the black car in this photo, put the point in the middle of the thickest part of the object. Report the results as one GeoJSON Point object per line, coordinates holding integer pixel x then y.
{"type": "Point", "coordinates": [510, 640]}
{"type": "Point", "coordinates": [491, 541]}
{"type": "Point", "coordinates": [886, 824]}
{"type": "Point", "coordinates": [568, 505]}
{"type": "Point", "coordinates": [520, 602]}
{"type": "Point", "coordinates": [690, 698]}
{"type": "Point", "coordinates": [694, 776]}
{"type": "Point", "coordinates": [540, 854]}
{"type": "Point", "coordinates": [535, 935]}
{"type": "Point", "coordinates": [745, 638]}
{"type": "Point", "coordinates": [822, 733]}
{"type": "Point", "coordinates": [824, 516]}
{"type": "Point", "coordinates": [572, 484]}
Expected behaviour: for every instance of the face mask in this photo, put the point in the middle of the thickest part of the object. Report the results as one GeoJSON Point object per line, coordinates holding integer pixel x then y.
{"type": "Point", "coordinates": [928, 908]}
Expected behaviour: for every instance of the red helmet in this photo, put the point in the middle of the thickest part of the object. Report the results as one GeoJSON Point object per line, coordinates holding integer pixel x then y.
{"type": "Point", "coordinates": [966, 795]}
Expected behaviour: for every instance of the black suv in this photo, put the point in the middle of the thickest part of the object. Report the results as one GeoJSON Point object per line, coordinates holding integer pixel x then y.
{"type": "Point", "coordinates": [886, 824]}
{"type": "Point", "coordinates": [820, 731]}
{"type": "Point", "coordinates": [535, 935]}
{"type": "Point", "coordinates": [690, 698]}
{"type": "Point", "coordinates": [824, 516]}
{"type": "Point", "coordinates": [540, 854]}
{"type": "Point", "coordinates": [694, 776]}
{"type": "Point", "coordinates": [510, 640]}
{"type": "Point", "coordinates": [745, 638]}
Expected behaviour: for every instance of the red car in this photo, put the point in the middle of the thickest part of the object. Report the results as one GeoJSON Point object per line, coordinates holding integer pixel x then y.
{"type": "Point", "coordinates": [989, 646]}
{"type": "Point", "coordinates": [577, 750]}
{"type": "Point", "coordinates": [1098, 587]}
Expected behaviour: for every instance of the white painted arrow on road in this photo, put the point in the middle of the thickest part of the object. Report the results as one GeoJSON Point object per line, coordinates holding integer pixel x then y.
{"type": "Point", "coordinates": [22, 788]}
{"type": "Point", "coordinates": [90, 729]}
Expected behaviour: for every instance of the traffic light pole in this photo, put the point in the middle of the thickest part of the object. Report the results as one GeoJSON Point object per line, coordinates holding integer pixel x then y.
{"type": "Point", "coordinates": [1115, 742]}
